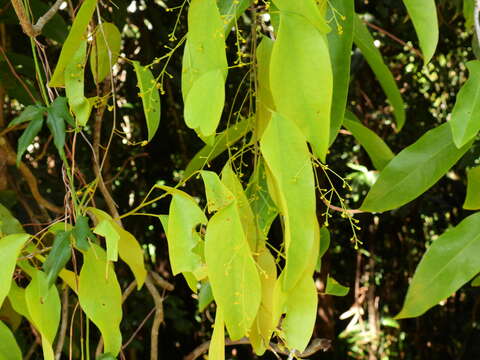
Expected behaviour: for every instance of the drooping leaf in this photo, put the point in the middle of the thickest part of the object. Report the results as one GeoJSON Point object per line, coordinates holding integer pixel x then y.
{"type": "Point", "coordinates": [74, 85]}
{"type": "Point", "coordinates": [204, 116]}
{"type": "Point", "coordinates": [106, 229]}
{"type": "Point", "coordinates": [56, 122]}
{"type": "Point", "coordinates": [10, 247]}
{"type": "Point", "coordinates": [301, 79]}
{"type": "Point", "coordinates": [9, 349]}
{"type": "Point", "coordinates": [308, 9]}
{"type": "Point", "coordinates": [265, 103]}
{"type": "Point", "coordinates": [287, 157]}
{"type": "Point", "coordinates": [184, 216]}
{"type": "Point", "coordinates": [30, 113]}
{"type": "Point", "coordinates": [324, 245]}
{"type": "Point", "coordinates": [222, 142]}
{"type": "Point", "coordinates": [364, 40]}
{"type": "Point", "coordinates": [16, 296]}
{"type": "Point", "coordinates": [216, 350]}
{"type": "Point", "coordinates": [335, 288]}
{"type": "Point", "coordinates": [468, 7]}
{"type": "Point", "coordinates": [105, 50]}
{"type": "Point", "coordinates": [340, 46]}
{"type": "Point", "coordinates": [43, 304]}
{"type": "Point", "coordinates": [472, 200]}
{"type": "Point", "coordinates": [231, 11]}
{"type": "Point", "coordinates": [232, 271]}
{"type": "Point", "coordinates": [8, 223]}
{"type": "Point", "coordinates": [150, 97]}
{"type": "Point", "coordinates": [424, 18]}
{"type": "Point", "coordinates": [218, 195]}
{"type": "Point", "coordinates": [377, 150]}
{"type": "Point", "coordinates": [414, 170]}
{"type": "Point", "coordinates": [101, 298]}
{"type": "Point", "coordinates": [81, 232]}
{"type": "Point", "coordinates": [75, 36]}
{"type": "Point", "coordinates": [58, 257]}
{"type": "Point", "coordinates": [465, 122]}
{"type": "Point", "coordinates": [28, 136]}
{"type": "Point", "coordinates": [205, 296]}
{"type": "Point", "coordinates": [450, 262]}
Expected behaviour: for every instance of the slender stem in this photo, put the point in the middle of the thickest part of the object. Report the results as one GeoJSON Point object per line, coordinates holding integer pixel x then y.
{"type": "Point", "coordinates": [39, 73]}
{"type": "Point", "coordinates": [476, 15]}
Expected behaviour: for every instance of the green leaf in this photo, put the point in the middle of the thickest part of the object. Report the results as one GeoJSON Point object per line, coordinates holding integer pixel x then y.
{"type": "Point", "coordinates": [56, 122]}
{"type": "Point", "coordinates": [414, 170]}
{"type": "Point", "coordinates": [81, 232]}
{"type": "Point", "coordinates": [232, 272]}
{"type": "Point", "coordinates": [106, 229]}
{"type": "Point", "coordinates": [216, 350]}
{"type": "Point", "coordinates": [106, 356]}
{"type": "Point", "coordinates": [340, 46]}
{"type": "Point", "coordinates": [218, 195]}
{"type": "Point", "coordinates": [9, 349]}
{"type": "Point", "coordinates": [472, 200]}
{"type": "Point", "coordinates": [287, 157]}
{"type": "Point", "coordinates": [16, 297]}
{"type": "Point", "coordinates": [364, 40]}
{"type": "Point", "coordinates": [324, 245]}
{"type": "Point", "coordinates": [335, 288]}
{"type": "Point", "coordinates": [308, 9]}
{"type": "Point", "coordinates": [424, 18]}
{"type": "Point", "coordinates": [450, 262]}
{"type": "Point", "coordinates": [476, 281]}
{"type": "Point", "coordinates": [74, 85]}
{"type": "Point", "coordinates": [30, 113]}
{"type": "Point", "coordinates": [231, 11]}
{"type": "Point", "coordinates": [8, 223]}
{"type": "Point", "coordinates": [43, 304]}
{"type": "Point", "coordinates": [468, 7]}
{"type": "Point", "coordinates": [201, 115]}
{"type": "Point", "coordinates": [184, 216]}
{"type": "Point", "coordinates": [75, 36]}
{"type": "Point", "coordinates": [58, 257]}
{"type": "Point", "coordinates": [105, 50]}
{"type": "Point", "coordinates": [205, 296]}
{"type": "Point", "coordinates": [150, 97]}
{"type": "Point", "coordinates": [100, 297]}
{"type": "Point", "coordinates": [55, 28]}
{"type": "Point", "coordinates": [10, 247]}
{"type": "Point", "coordinates": [222, 142]}
{"type": "Point", "coordinates": [377, 150]}
{"type": "Point", "coordinates": [265, 103]}
{"type": "Point", "coordinates": [301, 79]}
{"type": "Point", "coordinates": [28, 136]}
{"type": "Point", "coordinates": [465, 122]}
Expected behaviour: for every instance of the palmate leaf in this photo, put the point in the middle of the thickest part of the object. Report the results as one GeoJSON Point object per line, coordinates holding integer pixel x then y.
{"type": "Point", "coordinates": [449, 263]}
{"type": "Point", "coordinates": [9, 349]}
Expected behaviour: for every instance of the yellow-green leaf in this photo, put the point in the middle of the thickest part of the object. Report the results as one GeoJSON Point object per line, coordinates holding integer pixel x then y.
{"type": "Point", "coordinates": [106, 229]}
{"type": "Point", "coordinates": [105, 50]}
{"type": "Point", "coordinates": [216, 350]}
{"type": "Point", "coordinates": [472, 200]}
{"type": "Point", "coordinates": [218, 195]}
{"type": "Point", "coordinates": [150, 97]}
{"type": "Point", "coordinates": [335, 288]}
{"type": "Point", "coordinates": [288, 159]}
{"type": "Point", "coordinates": [10, 247]}
{"type": "Point", "coordinates": [9, 349]}
{"type": "Point", "coordinates": [308, 9]}
{"type": "Point", "coordinates": [301, 79]}
{"type": "Point", "coordinates": [265, 103]}
{"type": "Point", "coordinates": [232, 271]}
{"type": "Point", "coordinates": [101, 298]}
{"type": "Point", "coordinates": [75, 36]}
{"type": "Point", "coordinates": [43, 306]}
{"type": "Point", "coordinates": [8, 223]}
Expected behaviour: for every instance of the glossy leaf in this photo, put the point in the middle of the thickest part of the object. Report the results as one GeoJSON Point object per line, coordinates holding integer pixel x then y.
{"type": "Point", "coordinates": [222, 142]}
{"type": "Point", "coordinates": [340, 46]}
{"type": "Point", "coordinates": [75, 36]}
{"type": "Point", "coordinates": [414, 170]}
{"type": "Point", "coordinates": [424, 18]}
{"type": "Point", "coordinates": [184, 216]}
{"type": "Point", "coordinates": [43, 304]}
{"type": "Point", "coordinates": [308, 9]}
{"type": "Point", "coordinates": [105, 50]}
{"type": "Point", "coordinates": [232, 271]}
{"type": "Point", "coordinates": [28, 136]}
{"type": "Point", "coordinates": [472, 200]}
{"type": "Point", "coordinates": [56, 122]}
{"type": "Point", "coordinates": [377, 150]}
{"type": "Point", "coordinates": [265, 104]}
{"type": "Point", "coordinates": [58, 257]}
{"type": "Point", "coordinates": [364, 40]}
{"type": "Point", "coordinates": [301, 79]}
{"type": "Point", "coordinates": [9, 349]}
{"type": "Point", "coordinates": [218, 195]}
{"type": "Point", "coordinates": [150, 97]}
{"type": "Point", "coordinates": [216, 350]}
{"type": "Point", "coordinates": [30, 113]}
{"type": "Point", "coordinates": [74, 85]}
{"type": "Point", "coordinates": [100, 297]}
{"type": "Point", "coordinates": [287, 157]}
{"type": "Point", "coordinates": [335, 288]}
{"type": "Point", "coordinates": [465, 121]}
{"type": "Point", "coordinates": [8, 223]}
{"type": "Point", "coordinates": [201, 115]}
{"type": "Point", "coordinates": [450, 262]}
{"type": "Point", "coordinates": [10, 247]}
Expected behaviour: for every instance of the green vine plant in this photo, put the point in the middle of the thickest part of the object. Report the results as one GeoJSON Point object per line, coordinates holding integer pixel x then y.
{"type": "Point", "coordinates": [276, 136]}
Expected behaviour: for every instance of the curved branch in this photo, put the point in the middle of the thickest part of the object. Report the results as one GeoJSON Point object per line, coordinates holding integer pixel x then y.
{"type": "Point", "coordinates": [36, 29]}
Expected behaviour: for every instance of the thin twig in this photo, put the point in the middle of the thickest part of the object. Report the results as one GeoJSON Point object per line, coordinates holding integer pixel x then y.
{"type": "Point", "coordinates": [36, 29]}
{"type": "Point", "coordinates": [160, 281]}
{"type": "Point", "coordinates": [138, 328]}
{"type": "Point", "coordinates": [339, 209]}
{"type": "Point", "coordinates": [157, 320]}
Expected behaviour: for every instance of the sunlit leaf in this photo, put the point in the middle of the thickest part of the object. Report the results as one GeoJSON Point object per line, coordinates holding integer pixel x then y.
{"type": "Point", "coordinates": [216, 350]}
{"type": "Point", "coordinates": [288, 159]}
{"type": "Point", "coordinates": [324, 245]}
{"type": "Point", "coordinates": [58, 257]}
{"type": "Point", "coordinates": [450, 262]}
{"type": "Point", "coordinates": [305, 8]}
{"type": "Point", "coordinates": [265, 104]}
{"type": "Point", "coordinates": [9, 349]}
{"type": "Point", "coordinates": [100, 297]}
{"type": "Point", "coordinates": [105, 50]}
{"type": "Point", "coordinates": [8, 223]}
{"type": "Point", "coordinates": [472, 200]}
{"type": "Point", "coordinates": [106, 229]}
{"type": "Point", "coordinates": [335, 288]}
{"type": "Point", "coordinates": [16, 296]}
{"type": "Point", "coordinates": [465, 122]}
{"type": "Point", "coordinates": [414, 170]}
{"type": "Point", "coordinates": [231, 11]}
{"type": "Point", "coordinates": [205, 296]}
{"type": "Point", "coordinates": [218, 195]}
{"type": "Point", "coordinates": [301, 79]}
